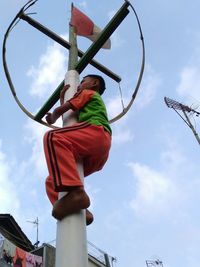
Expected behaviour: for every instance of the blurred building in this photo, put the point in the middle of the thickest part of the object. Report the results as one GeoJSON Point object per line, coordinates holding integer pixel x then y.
{"type": "Point", "coordinates": [17, 250]}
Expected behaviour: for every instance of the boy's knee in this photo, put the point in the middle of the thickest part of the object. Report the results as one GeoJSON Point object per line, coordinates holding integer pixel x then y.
{"type": "Point", "coordinates": [58, 138]}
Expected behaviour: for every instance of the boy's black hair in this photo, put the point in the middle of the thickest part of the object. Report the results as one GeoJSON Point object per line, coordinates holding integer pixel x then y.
{"type": "Point", "coordinates": [101, 81]}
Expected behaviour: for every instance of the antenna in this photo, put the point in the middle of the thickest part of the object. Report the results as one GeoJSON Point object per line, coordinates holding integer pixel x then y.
{"type": "Point", "coordinates": [178, 107]}
{"type": "Point", "coordinates": [36, 222]}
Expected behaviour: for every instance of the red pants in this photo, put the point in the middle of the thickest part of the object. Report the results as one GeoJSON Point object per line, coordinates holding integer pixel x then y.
{"type": "Point", "coordinates": [63, 147]}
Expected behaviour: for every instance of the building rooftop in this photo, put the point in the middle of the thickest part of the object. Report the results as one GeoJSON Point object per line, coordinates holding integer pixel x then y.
{"type": "Point", "coordinates": [11, 230]}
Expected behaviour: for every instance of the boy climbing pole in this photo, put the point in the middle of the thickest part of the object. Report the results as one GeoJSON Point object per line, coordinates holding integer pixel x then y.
{"type": "Point", "coordinates": [89, 140]}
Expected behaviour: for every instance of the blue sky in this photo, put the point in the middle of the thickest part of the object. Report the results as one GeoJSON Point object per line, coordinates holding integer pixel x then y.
{"type": "Point", "coordinates": [145, 201]}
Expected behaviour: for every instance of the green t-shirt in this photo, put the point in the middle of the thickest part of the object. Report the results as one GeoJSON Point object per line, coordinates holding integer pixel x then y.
{"type": "Point", "coordinates": [91, 108]}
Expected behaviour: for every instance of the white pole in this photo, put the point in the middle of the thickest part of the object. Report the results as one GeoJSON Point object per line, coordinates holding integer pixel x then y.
{"type": "Point", "coordinates": [71, 240]}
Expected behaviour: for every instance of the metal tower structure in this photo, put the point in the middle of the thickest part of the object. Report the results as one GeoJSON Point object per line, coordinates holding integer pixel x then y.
{"type": "Point", "coordinates": [183, 111]}
{"type": "Point", "coordinates": [154, 263]}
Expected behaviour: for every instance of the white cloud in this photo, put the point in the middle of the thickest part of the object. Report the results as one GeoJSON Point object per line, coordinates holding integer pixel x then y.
{"type": "Point", "coordinates": [22, 189]}
{"type": "Point", "coordinates": [173, 157]}
{"type": "Point", "coordinates": [115, 104]}
{"type": "Point", "coordinates": [8, 192]}
{"type": "Point", "coordinates": [122, 136]}
{"type": "Point", "coordinates": [49, 72]}
{"type": "Point", "coordinates": [116, 40]}
{"type": "Point", "coordinates": [121, 131]}
{"type": "Point", "coordinates": [146, 93]}
{"type": "Point", "coordinates": [151, 83]}
{"type": "Point", "coordinates": [161, 190]}
{"type": "Point", "coordinates": [20, 193]}
{"type": "Point", "coordinates": [46, 77]}
{"type": "Point", "coordinates": [189, 82]}
{"type": "Point", "coordinates": [114, 107]}
{"type": "Point", "coordinates": [155, 192]}
{"type": "Point", "coordinates": [34, 136]}
{"type": "Point", "coordinates": [83, 4]}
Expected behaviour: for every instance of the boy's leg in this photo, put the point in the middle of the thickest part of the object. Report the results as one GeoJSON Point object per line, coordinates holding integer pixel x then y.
{"type": "Point", "coordinates": [61, 161]}
{"type": "Point", "coordinates": [51, 193]}
{"type": "Point", "coordinates": [58, 212]}
{"type": "Point", "coordinates": [62, 147]}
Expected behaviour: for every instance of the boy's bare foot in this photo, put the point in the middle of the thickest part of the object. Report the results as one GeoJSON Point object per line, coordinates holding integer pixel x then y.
{"type": "Point", "coordinates": [73, 202]}
{"type": "Point", "coordinates": [89, 217]}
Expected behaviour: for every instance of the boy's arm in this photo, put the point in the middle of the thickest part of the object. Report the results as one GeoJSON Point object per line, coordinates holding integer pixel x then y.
{"type": "Point", "coordinates": [62, 93]}
{"type": "Point", "coordinates": [52, 117]}
{"type": "Point", "coordinates": [75, 103]}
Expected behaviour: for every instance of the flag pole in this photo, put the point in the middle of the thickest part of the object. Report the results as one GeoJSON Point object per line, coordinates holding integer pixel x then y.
{"type": "Point", "coordinates": [71, 240]}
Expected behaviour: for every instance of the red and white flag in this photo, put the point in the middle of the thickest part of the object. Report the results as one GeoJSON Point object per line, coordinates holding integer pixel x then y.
{"type": "Point", "coordinates": [85, 27]}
